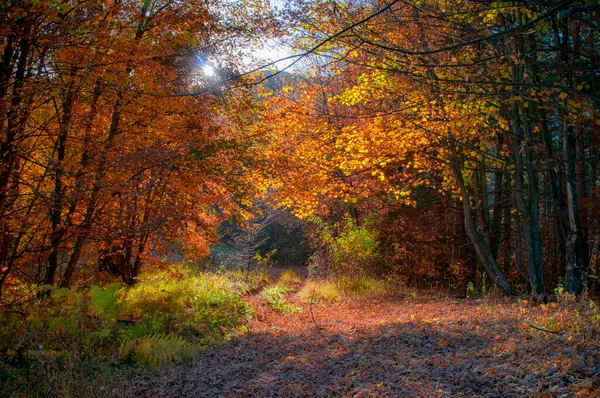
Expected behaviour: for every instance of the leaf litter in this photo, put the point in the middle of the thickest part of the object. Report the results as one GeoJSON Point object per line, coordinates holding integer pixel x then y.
{"type": "Point", "coordinates": [428, 346]}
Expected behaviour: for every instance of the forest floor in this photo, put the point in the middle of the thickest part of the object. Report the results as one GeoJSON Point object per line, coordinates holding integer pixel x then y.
{"type": "Point", "coordinates": [424, 346]}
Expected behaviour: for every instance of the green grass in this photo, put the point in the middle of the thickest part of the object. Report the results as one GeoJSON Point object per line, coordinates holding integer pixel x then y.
{"type": "Point", "coordinates": [274, 296]}
{"type": "Point", "coordinates": [200, 306]}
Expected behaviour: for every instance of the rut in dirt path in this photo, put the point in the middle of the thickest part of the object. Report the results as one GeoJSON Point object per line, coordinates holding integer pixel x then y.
{"type": "Point", "coordinates": [395, 348]}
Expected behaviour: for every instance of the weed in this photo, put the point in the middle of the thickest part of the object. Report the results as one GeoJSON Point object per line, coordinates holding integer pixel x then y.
{"type": "Point", "coordinates": [471, 291]}
{"type": "Point", "coordinates": [274, 297]}
{"type": "Point", "coordinates": [559, 291]}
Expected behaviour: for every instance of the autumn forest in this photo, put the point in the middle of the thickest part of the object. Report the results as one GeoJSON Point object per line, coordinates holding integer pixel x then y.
{"type": "Point", "coordinates": [299, 198]}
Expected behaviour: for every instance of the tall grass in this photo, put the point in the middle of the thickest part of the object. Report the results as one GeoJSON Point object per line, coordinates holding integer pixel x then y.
{"type": "Point", "coordinates": [332, 290]}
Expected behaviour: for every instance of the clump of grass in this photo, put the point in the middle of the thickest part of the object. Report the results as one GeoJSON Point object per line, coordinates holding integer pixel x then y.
{"type": "Point", "coordinates": [274, 296]}
{"type": "Point", "coordinates": [328, 290]}
{"type": "Point", "coordinates": [321, 290]}
{"type": "Point", "coordinates": [247, 283]}
{"type": "Point", "coordinates": [289, 278]}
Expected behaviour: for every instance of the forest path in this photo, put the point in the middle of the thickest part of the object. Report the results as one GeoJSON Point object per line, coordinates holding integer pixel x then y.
{"type": "Point", "coordinates": [417, 346]}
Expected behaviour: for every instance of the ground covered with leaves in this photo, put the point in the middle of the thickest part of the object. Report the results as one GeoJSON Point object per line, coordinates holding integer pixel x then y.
{"type": "Point", "coordinates": [413, 345]}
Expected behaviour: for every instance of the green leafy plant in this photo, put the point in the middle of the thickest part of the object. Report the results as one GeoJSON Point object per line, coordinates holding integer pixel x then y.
{"type": "Point", "coordinates": [274, 297]}
{"type": "Point", "coordinates": [104, 300]}
{"type": "Point", "coordinates": [200, 307]}
{"type": "Point", "coordinates": [471, 290]}
{"type": "Point", "coordinates": [348, 245]}
{"type": "Point", "coordinates": [263, 260]}
{"type": "Point", "coordinates": [559, 291]}
{"type": "Point", "coordinates": [595, 311]}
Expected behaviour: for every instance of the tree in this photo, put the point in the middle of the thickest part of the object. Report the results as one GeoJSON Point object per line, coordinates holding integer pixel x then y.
{"type": "Point", "coordinates": [112, 141]}
{"type": "Point", "coordinates": [451, 88]}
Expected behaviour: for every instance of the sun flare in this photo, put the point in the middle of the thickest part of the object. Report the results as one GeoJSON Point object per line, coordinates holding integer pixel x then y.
{"type": "Point", "coordinates": [209, 70]}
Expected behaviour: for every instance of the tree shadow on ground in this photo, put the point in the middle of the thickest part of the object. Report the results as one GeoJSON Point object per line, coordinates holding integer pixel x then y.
{"type": "Point", "coordinates": [394, 359]}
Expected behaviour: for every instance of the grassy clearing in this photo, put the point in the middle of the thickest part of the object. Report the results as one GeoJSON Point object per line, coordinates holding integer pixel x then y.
{"type": "Point", "coordinates": [332, 290]}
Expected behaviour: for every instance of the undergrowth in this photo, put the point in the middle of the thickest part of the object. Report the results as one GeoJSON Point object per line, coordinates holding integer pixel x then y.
{"type": "Point", "coordinates": [332, 290]}
{"type": "Point", "coordinates": [274, 296]}
{"type": "Point", "coordinates": [67, 343]}
{"type": "Point", "coordinates": [289, 278]}
{"type": "Point", "coordinates": [580, 319]}
{"type": "Point", "coordinates": [244, 282]}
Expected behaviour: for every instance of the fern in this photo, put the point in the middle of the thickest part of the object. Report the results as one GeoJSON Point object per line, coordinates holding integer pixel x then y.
{"type": "Point", "coordinates": [104, 301]}
{"type": "Point", "coordinates": [154, 351]}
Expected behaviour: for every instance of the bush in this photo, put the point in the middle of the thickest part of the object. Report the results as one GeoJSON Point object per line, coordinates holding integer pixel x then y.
{"type": "Point", "coordinates": [345, 247]}
{"type": "Point", "coordinates": [356, 246]}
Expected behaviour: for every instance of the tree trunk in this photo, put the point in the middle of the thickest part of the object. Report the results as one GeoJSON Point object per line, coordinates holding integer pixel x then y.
{"type": "Point", "coordinates": [577, 247]}
{"type": "Point", "coordinates": [528, 210]}
{"type": "Point", "coordinates": [58, 227]}
{"type": "Point", "coordinates": [497, 206]}
{"type": "Point", "coordinates": [484, 253]}
{"type": "Point", "coordinates": [91, 207]}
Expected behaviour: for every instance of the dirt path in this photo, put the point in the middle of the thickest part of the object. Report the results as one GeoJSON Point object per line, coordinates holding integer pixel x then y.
{"type": "Point", "coordinates": [422, 347]}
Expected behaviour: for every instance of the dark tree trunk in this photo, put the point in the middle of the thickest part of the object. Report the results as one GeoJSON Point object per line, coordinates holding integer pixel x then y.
{"type": "Point", "coordinates": [58, 227]}
{"type": "Point", "coordinates": [528, 207]}
{"type": "Point", "coordinates": [484, 253]}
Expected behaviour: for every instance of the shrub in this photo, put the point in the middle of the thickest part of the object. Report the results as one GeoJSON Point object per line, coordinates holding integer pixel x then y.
{"type": "Point", "coordinates": [346, 247]}
{"type": "Point", "coordinates": [356, 246]}
{"type": "Point", "coordinates": [64, 343]}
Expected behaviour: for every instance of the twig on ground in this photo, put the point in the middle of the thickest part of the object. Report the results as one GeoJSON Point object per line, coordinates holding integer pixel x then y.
{"type": "Point", "coordinates": [544, 330]}
{"type": "Point", "coordinates": [312, 315]}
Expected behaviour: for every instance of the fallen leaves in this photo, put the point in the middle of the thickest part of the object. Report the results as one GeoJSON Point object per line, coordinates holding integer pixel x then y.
{"type": "Point", "coordinates": [395, 348]}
